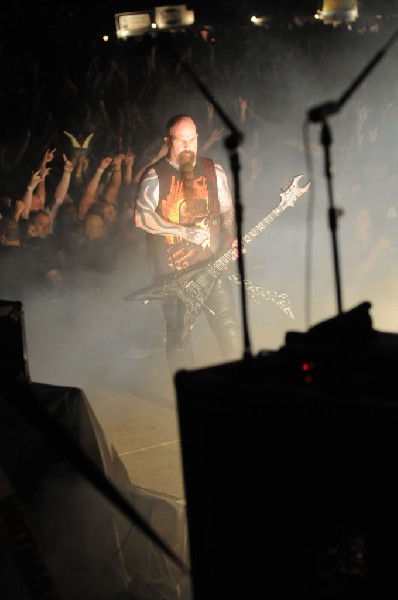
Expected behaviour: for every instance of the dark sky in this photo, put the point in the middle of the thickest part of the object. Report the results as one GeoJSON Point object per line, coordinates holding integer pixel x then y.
{"type": "Point", "coordinates": [205, 10]}
{"type": "Point", "coordinates": [24, 19]}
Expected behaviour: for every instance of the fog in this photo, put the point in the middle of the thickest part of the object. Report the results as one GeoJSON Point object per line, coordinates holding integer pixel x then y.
{"type": "Point", "coordinates": [86, 338]}
{"type": "Point", "coordinates": [89, 337]}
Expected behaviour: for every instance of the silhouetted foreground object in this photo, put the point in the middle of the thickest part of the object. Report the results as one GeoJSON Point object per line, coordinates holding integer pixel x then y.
{"type": "Point", "coordinates": [14, 362]}
{"type": "Point", "coordinates": [62, 532]}
{"type": "Point", "coordinates": [74, 526]}
{"type": "Point", "coordinates": [299, 449]}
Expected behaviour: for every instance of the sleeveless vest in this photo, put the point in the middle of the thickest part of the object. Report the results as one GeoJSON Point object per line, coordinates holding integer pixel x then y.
{"type": "Point", "coordinates": [198, 207]}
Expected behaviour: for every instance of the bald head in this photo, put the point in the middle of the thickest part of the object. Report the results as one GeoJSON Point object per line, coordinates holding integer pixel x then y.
{"type": "Point", "coordinates": [182, 140]}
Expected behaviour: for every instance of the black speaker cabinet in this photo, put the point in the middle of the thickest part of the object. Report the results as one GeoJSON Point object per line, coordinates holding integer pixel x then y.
{"type": "Point", "coordinates": [289, 462]}
{"type": "Point", "coordinates": [13, 354]}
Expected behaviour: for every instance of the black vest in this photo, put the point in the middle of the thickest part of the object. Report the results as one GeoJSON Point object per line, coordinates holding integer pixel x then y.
{"type": "Point", "coordinates": [199, 206]}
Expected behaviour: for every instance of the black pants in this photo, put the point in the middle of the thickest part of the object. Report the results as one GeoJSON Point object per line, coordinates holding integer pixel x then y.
{"type": "Point", "coordinates": [222, 320]}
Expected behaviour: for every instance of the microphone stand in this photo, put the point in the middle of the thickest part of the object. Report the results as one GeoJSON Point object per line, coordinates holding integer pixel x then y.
{"type": "Point", "coordinates": [319, 114]}
{"type": "Point", "coordinates": [232, 143]}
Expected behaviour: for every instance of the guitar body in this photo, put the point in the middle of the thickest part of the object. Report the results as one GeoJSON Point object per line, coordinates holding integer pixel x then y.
{"type": "Point", "coordinates": [192, 285]}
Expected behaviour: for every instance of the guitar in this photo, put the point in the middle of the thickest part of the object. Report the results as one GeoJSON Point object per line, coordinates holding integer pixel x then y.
{"type": "Point", "coordinates": [193, 285]}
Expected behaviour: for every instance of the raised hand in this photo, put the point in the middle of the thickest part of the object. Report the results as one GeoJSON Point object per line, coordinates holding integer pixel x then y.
{"type": "Point", "coordinates": [216, 134]}
{"type": "Point", "coordinates": [105, 162]}
{"type": "Point", "coordinates": [117, 161]}
{"type": "Point", "coordinates": [68, 164]}
{"type": "Point", "coordinates": [49, 156]}
{"type": "Point", "coordinates": [35, 179]}
{"type": "Point", "coordinates": [129, 158]}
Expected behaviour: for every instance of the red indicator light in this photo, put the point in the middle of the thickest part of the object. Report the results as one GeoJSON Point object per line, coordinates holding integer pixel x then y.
{"type": "Point", "coordinates": [308, 366]}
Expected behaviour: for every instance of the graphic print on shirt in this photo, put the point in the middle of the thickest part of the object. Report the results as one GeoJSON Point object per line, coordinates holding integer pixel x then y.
{"type": "Point", "coordinates": [177, 208]}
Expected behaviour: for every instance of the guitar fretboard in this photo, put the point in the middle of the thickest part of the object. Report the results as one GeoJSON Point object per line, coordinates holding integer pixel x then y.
{"type": "Point", "coordinates": [215, 268]}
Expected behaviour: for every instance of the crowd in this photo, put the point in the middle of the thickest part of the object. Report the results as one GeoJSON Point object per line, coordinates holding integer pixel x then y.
{"type": "Point", "coordinates": [79, 124]}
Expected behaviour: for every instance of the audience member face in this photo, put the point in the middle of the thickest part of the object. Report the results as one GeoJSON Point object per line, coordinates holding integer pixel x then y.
{"type": "Point", "coordinates": [43, 225]}
{"type": "Point", "coordinates": [31, 230]}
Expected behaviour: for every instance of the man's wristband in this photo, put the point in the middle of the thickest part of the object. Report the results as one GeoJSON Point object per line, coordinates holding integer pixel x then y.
{"type": "Point", "coordinates": [99, 170]}
{"type": "Point", "coordinates": [30, 188]}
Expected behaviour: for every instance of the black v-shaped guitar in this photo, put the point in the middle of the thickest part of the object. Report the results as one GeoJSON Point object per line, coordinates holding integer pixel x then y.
{"type": "Point", "coordinates": [193, 285]}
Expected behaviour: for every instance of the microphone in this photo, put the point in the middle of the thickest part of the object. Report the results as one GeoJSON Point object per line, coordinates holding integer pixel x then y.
{"type": "Point", "coordinates": [319, 113]}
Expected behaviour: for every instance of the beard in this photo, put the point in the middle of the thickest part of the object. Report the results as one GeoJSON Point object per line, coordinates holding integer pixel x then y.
{"type": "Point", "coordinates": [186, 160]}
{"type": "Point", "coordinates": [186, 163]}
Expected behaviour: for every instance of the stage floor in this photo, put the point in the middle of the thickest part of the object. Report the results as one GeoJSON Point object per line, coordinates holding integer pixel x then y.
{"type": "Point", "coordinates": [138, 416]}
{"type": "Point", "coordinates": [132, 395]}
{"type": "Point", "coordinates": [143, 428]}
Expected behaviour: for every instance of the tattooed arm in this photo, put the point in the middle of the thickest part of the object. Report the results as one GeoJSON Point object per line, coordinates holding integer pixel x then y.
{"type": "Point", "coordinates": [149, 220]}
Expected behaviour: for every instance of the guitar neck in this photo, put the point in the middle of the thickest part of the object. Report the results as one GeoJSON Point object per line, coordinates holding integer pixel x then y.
{"type": "Point", "coordinates": [223, 261]}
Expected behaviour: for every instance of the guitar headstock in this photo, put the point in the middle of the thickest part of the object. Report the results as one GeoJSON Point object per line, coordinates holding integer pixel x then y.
{"type": "Point", "coordinates": [292, 192]}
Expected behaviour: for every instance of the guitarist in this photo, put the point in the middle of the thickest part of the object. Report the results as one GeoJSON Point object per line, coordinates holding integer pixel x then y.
{"type": "Point", "coordinates": [185, 206]}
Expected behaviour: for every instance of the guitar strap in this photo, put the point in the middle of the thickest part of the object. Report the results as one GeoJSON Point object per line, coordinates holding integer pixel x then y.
{"type": "Point", "coordinates": [214, 204]}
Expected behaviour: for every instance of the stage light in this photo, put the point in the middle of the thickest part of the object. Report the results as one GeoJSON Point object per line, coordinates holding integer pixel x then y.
{"type": "Point", "coordinates": [132, 23]}
{"type": "Point", "coordinates": [339, 11]}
